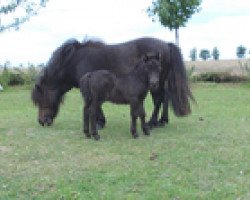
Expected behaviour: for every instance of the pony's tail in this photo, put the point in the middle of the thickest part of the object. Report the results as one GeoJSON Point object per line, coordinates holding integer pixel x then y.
{"type": "Point", "coordinates": [178, 87]}
{"type": "Point", "coordinates": [85, 88]}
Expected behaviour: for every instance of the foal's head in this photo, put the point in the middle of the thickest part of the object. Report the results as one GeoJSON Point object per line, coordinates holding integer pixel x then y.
{"type": "Point", "coordinates": [152, 65]}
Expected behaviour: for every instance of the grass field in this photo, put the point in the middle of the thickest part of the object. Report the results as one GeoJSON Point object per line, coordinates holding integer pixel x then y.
{"type": "Point", "coordinates": [202, 156]}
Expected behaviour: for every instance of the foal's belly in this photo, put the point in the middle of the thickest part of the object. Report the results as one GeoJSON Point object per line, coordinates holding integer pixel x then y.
{"type": "Point", "coordinates": [118, 99]}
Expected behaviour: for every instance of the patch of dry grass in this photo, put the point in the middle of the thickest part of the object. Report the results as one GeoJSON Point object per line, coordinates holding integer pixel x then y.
{"type": "Point", "coordinates": [233, 66]}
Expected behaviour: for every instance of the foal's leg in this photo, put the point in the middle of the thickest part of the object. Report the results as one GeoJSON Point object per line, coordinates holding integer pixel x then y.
{"type": "Point", "coordinates": [93, 110]}
{"type": "Point", "coordinates": [134, 115]}
{"type": "Point", "coordinates": [142, 116]}
{"type": "Point", "coordinates": [86, 111]}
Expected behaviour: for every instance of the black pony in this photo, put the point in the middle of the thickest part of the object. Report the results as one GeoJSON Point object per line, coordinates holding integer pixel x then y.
{"type": "Point", "coordinates": [73, 59]}
{"type": "Point", "coordinates": [102, 85]}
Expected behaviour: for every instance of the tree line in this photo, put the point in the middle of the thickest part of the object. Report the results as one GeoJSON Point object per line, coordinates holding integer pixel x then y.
{"type": "Point", "coordinates": [206, 54]}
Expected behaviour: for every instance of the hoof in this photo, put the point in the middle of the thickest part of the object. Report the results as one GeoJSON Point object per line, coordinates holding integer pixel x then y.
{"type": "Point", "coordinates": [135, 135]}
{"type": "Point", "coordinates": [86, 133]}
{"type": "Point", "coordinates": [162, 122]}
{"type": "Point", "coordinates": [87, 136]}
{"type": "Point", "coordinates": [157, 124]}
{"type": "Point", "coordinates": [146, 131]}
{"type": "Point", "coordinates": [152, 124]}
{"type": "Point", "coordinates": [96, 137]}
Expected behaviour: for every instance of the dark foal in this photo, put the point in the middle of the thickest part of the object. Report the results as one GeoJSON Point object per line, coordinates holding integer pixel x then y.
{"type": "Point", "coordinates": [102, 85]}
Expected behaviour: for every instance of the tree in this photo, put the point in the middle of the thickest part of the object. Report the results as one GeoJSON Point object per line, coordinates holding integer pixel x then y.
{"type": "Point", "coordinates": [173, 13]}
{"type": "Point", "coordinates": [193, 54]}
{"type": "Point", "coordinates": [215, 53]}
{"type": "Point", "coordinates": [13, 13]}
{"type": "Point", "coordinates": [30, 64]}
{"type": "Point", "coordinates": [7, 64]}
{"type": "Point", "coordinates": [205, 54]}
{"type": "Point", "coordinates": [241, 51]}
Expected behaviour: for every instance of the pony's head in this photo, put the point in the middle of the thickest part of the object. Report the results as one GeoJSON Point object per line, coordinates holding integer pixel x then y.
{"type": "Point", "coordinates": [47, 98]}
{"type": "Point", "coordinates": [152, 65]}
{"type": "Point", "coordinates": [53, 82]}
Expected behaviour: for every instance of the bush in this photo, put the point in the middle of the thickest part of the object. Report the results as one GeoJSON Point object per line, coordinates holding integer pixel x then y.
{"type": "Point", "coordinates": [30, 75]}
{"type": "Point", "coordinates": [17, 76]}
{"type": "Point", "coordinates": [190, 72]}
{"type": "Point", "coordinates": [15, 79]}
{"type": "Point", "coordinates": [219, 77]}
{"type": "Point", "coordinates": [245, 68]}
{"type": "Point", "coordinates": [4, 77]}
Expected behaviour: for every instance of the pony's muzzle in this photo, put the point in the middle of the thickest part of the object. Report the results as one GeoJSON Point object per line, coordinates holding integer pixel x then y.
{"type": "Point", "coordinates": [41, 122]}
{"type": "Point", "coordinates": [46, 121]}
{"type": "Point", "coordinates": [154, 85]}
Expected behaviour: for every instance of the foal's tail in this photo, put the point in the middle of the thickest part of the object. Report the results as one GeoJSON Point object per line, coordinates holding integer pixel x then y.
{"type": "Point", "coordinates": [178, 87]}
{"type": "Point", "coordinates": [85, 88]}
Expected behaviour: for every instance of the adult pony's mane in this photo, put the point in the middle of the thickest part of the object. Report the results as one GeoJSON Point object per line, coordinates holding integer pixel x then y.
{"type": "Point", "coordinates": [92, 43]}
{"type": "Point", "coordinates": [60, 58]}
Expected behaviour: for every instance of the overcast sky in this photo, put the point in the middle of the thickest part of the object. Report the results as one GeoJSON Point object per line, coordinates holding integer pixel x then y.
{"type": "Point", "coordinates": [221, 23]}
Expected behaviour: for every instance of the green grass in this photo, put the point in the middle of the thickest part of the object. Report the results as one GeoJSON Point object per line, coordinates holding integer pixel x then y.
{"type": "Point", "coordinates": [202, 156]}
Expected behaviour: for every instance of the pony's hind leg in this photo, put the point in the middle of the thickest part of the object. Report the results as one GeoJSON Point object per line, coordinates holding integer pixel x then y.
{"type": "Point", "coordinates": [86, 116]}
{"type": "Point", "coordinates": [142, 116]}
{"type": "Point", "coordinates": [100, 119]}
{"type": "Point", "coordinates": [164, 117]}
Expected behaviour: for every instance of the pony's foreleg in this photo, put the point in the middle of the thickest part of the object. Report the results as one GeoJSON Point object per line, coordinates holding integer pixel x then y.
{"type": "Point", "coordinates": [142, 116]}
{"type": "Point", "coordinates": [157, 98]}
{"type": "Point", "coordinates": [93, 110]}
{"type": "Point", "coordinates": [134, 115]}
{"type": "Point", "coordinates": [86, 116]}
